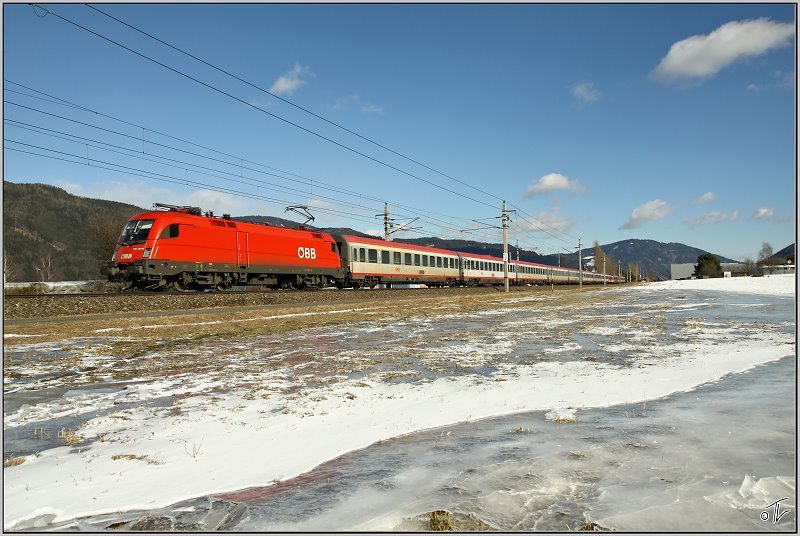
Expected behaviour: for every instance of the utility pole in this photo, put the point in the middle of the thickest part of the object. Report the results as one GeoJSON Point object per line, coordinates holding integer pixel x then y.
{"type": "Point", "coordinates": [386, 225]}
{"type": "Point", "coordinates": [505, 246]}
{"type": "Point", "coordinates": [580, 265]}
{"type": "Point", "coordinates": [604, 270]}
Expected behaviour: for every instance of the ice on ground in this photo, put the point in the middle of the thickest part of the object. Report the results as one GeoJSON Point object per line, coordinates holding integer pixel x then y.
{"type": "Point", "coordinates": [269, 409]}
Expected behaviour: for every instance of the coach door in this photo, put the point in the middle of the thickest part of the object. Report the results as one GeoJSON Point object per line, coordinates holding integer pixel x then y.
{"type": "Point", "coordinates": [242, 256]}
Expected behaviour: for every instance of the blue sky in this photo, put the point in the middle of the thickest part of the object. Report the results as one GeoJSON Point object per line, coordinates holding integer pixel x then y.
{"type": "Point", "coordinates": [671, 122]}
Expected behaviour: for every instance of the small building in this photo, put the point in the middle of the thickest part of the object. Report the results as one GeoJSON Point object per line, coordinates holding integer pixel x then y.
{"type": "Point", "coordinates": [734, 269]}
{"type": "Point", "coordinates": [775, 269]}
{"type": "Point", "coordinates": [681, 271]}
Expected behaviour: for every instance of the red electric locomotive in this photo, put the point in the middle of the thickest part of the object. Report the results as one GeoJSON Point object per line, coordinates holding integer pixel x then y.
{"type": "Point", "coordinates": [181, 248]}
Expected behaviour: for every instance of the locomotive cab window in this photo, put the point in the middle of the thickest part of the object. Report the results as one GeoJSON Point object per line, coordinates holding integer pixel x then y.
{"type": "Point", "coordinates": [135, 232]}
{"type": "Point", "coordinates": [171, 231]}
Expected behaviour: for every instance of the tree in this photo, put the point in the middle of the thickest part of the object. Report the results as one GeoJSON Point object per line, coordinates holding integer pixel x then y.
{"type": "Point", "coordinates": [765, 252]}
{"type": "Point", "coordinates": [45, 269]}
{"type": "Point", "coordinates": [104, 229]}
{"type": "Point", "coordinates": [602, 262]}
{"type": "Point", "coordinates": [750, 267]}
{"type": "Point", "coordinates": [9, 272]}
{"type": "Point", "coordinates": [707, 266]}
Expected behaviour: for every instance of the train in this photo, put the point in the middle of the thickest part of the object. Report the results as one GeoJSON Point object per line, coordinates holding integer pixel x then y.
{"type": "Point", "coordinates": [181, 248]}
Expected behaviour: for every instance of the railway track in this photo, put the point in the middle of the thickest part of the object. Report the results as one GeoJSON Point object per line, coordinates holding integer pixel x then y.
{"type": "Point", "coordinates": [29, 306]}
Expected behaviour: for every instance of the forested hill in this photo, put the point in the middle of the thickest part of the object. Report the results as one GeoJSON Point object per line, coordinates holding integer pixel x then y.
{"type": "Point", "coordinates": [65, 236]}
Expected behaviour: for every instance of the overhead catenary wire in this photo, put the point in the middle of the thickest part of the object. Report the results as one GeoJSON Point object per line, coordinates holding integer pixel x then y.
{"type": "Point", "coordinates": [95, 162]}
{"type": "Point", "coordinates": [542, 226]}
{"type": "Point", "coordinates": [290, 103]}
{"type": "Point", "coordinates": [233, 177]}
{"type": "Point", "coordinates": [102, 164]}
{"type": "Point", "coordinates": [303, 180]}
{"type": "Point", "coordinates": [251, 105]}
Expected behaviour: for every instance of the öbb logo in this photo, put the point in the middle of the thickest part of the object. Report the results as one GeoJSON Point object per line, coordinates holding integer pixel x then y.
{"type": "Point", "coordinates": [306, 253]}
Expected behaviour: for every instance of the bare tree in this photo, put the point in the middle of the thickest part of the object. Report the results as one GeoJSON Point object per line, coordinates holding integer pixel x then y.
{"type": "Point", "coordinates": [750, 267]}
{"type": "Point", "coordinates": [9, 271]}
{"type": "Point", "coordinates": [45, 269]}
{"type": "Point", "coordinates": [104, 230]}
{"type": "Point", "coordinates": [765, 252]}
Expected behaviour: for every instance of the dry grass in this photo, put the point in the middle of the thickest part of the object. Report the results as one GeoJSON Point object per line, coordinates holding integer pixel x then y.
{"type": "Point", "coordinates": [69, 437]}
{"type": "Point", "coordinates": [142, 457]}
{"type": "Point", "coordinates": [565, 420]}
{"type": "Point", "coordinates": [12, 461]}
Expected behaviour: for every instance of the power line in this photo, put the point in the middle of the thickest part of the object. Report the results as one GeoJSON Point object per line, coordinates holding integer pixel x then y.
{"type": "Point", "coordinates": [255, 86]}
{"type": "Point", "coordinates": [305, 180]}
{"type": "Point", "coordinates": [82, 160]}
{"type": "Point", "coordinates": [242, 101]}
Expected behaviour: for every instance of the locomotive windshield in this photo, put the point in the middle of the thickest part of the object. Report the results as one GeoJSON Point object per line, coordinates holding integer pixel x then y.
{"type": "Point", "coordinates": [136, 232]}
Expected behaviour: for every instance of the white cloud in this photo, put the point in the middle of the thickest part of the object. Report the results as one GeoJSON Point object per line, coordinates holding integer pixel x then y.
{"type": "Point", "coordinates": [288, 83]}
{"type": "Point", "coordinates": [764, 213]}
{"type": "Point", "coordinates": [345, 102]}
{"type": "Point", "coordinates": [135, 192]}
{"type": "Point", "coordinates": [650, 211]}
{"type": "Point", "coordinates": [553, 182]}
{"type": "Point", "coordinates": [218, 202]}
{"type": "Point", "coordinates": [781, 80]}
{"type": "Point", "coordinates": [550, 218]}
{"type": "Point", "coordinates": [585, 92]}
{"type": "Point", "coordinates": [702, 56]}
{"type": "Point", "coordinates": [372, 109]}
{"type": "Point", "coordinates": [355, 100]}
{"type": "Point", "coordinates": [705, 198]}
{"type": "Point", "coordinates": [712, 218]}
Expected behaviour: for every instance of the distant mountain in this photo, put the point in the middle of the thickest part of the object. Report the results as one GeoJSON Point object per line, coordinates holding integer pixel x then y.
{"type": "Point", "coordinates": [784, 254]}
{"type": "Point", "coordinates": [651, 255]}
{"type": "Point", "coordinates": [47, 228]}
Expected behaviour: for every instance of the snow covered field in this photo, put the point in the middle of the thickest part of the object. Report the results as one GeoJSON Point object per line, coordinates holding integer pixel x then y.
{"type": "Point", "coordinates": [279, 406]}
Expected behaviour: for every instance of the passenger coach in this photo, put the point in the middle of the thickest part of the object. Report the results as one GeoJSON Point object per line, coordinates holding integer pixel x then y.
{"type": "Point", "coordinates": [369, 262]}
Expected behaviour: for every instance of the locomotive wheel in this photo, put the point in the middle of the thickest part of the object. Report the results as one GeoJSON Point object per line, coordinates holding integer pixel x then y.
{"type": "Point", "coordinates": [178, 285]}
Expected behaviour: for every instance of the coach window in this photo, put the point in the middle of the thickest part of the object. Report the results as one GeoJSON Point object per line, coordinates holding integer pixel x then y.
{"type": "Point", "coordinates": [416, 259]}
{"type": "Point", "coordinates": [373, 255]}
{"type": "Point", "coordinates": [397, 257]}
{"type": "Point", "coordinates": [385, 257]}
{"type": "Point", "coordinates": [362, 254]}
{"type": "Point", "coordinates": [407, 259]}
{"type": "Point", "coordinates": [170, 231]}
{"type": "Point", "coordinates": [438, 262]}
{"type": "Point", "coordinates": [355, 254]}
{"type": "Point", "coordinates": [424, 260]}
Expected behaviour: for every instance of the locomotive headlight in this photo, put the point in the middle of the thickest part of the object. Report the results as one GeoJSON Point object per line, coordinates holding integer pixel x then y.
{"type": "Point", "coordinates": [146, 253]}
